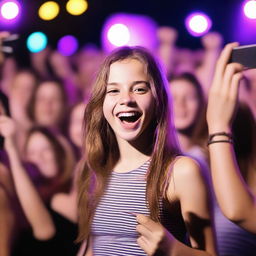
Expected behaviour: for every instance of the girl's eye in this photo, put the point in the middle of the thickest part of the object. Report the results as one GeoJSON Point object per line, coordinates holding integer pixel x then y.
{"type": "Point", "coordinates": [140, 90]}
{"type": "Point", "coordinates": [112, 91]}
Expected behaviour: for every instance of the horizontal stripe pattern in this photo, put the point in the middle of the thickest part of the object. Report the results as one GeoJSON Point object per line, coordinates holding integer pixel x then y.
{"type": "Point", "coordinates": [114, 224]}
{"type": "Point", "coordinates": [231, 239]}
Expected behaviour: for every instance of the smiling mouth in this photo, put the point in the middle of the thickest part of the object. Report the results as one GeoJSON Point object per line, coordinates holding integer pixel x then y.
{"type": "Point", "coordinates": [129, 117]}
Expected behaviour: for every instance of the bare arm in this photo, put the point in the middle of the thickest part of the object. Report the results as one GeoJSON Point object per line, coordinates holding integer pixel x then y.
{"type": "Point", "coordinates": [32, 204]}
{"type": "Point", "coordinates": [212, 43]}
{"type": "Point", "coordinates": [81, 251]}
{"type": "Point", "coordinates": [189, 188]}
{"type": "Point", "coordinates": [235, 199]}
{"type": "Point", "coordinates": [6, 223]}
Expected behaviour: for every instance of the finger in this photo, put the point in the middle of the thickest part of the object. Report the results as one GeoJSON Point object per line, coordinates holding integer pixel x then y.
{"type": "Point", "coordinates": [231, 70]}
{"type": "Point", "coordinates": [144, 231]}
{"type": "Point", "coordinates": [223, 60]}
{"type": "Point", "coordinates": [144, 245]}
{"type": "Point", "coordinates": [147, 222]}
{"type": "Point", "coordinates": [235, 85]}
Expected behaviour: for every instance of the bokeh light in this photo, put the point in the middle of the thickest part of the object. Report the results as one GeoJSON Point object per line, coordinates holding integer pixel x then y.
{"type": "Point", "coordinates": [49, 10]}
{"type": "Point", "coordinates": [128, 29]}
{"type": "Point", "coordinates": [9, 10]}
{"type": "Point", "coordinates": [118, 35]}
{"type": "Point", "coordinates": [67, 45]}
{"type": "Point", "coordinates": [76, 7]}
{"type": "Point", "coordinates": [250, 9]}
{"type": "Point", "coordinates": [198, 24]}
{"type": "Point", "coordinates": [37, 42]}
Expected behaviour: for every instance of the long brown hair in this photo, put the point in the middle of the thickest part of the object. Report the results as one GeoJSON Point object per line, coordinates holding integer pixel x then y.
{"type": "Point", "coordinates": [244, 133]}
{"type": "Point", "coordinates": [101, 151]}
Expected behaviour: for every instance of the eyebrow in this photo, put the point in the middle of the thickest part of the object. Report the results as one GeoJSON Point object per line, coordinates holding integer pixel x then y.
{"type": "Point", "coordinates": [133, 83]}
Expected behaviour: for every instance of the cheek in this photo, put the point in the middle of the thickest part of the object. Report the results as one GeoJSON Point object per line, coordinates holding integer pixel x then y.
{"type": "Point", "coordinates": [107, 109]}
{"type": "Point", "coordinates": [193, 107]}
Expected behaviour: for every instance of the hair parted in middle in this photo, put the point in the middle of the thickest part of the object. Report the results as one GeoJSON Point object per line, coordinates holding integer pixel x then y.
{"type": "Point", "coordinates": [101, 151]}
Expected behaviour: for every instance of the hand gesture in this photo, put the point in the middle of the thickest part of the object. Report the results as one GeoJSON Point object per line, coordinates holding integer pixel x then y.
{"type": "Point", "coordinates": [7, 126]}
{"type": "Point", "coordinates": [212, 41]}
{"type": "Point", "coordinates": [223, 92]}
{"type": "Point", "coordinates": [154, 237]}
{"type": "Point", "coordinates": [3, 35]}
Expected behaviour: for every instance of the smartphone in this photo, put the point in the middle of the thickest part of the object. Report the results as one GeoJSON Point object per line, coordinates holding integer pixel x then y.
{"type": "Point", "coordinates": [245, 55]}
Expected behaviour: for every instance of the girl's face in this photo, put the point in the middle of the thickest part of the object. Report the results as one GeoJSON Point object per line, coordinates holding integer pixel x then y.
{"type": "Point", "coordinates": [129, 105]}
{"type": "Point", "coordinates": [40, 152]}
{"type": "Point", "coordinates": [185, 103]}
{"type": "Point", "coordinates": [76, 125]}
{"type": "Point", "coordinates": [23, 86]}
{"type": "Point", "coordinates": [48, 104]}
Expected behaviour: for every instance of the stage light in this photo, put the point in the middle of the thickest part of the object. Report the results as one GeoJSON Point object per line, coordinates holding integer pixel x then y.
{"type": "Point", "coordinates": [118, 35]}
{"type": "Point", "coordinates": [9, 10]}
{"type": "Point", "coordinates": [49, 10]}
{"type": "Point", "coordinates": [36, 42]}
{"type": "Point", "coordinates": [128, 29]}
{"type": "Point", "coordinates": [76, 7]}
{"type": "Point", "coordinates": [250, 9]}
{"type": "Point", "coordinates": [198, 24]}
{"type": "Point", "coordinates": [67, 45]}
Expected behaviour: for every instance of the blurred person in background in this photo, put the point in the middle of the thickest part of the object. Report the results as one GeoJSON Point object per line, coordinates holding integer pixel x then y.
{"type": "Point", "coordinates": [189, 114]}
{"type": "Point", "coordinates": [233, 175]}
{"type": "Point", "coordinates": [50, 233]}
{"type": "Point", "coordinates": [66, 203]}
{"type": "Point", "coordinates": [48, 105]}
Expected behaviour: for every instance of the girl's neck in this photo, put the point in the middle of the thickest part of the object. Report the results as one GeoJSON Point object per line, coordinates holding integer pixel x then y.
{"type": "Point", "coordinates": [131, 157]}
{"type": "Point", "coordinates": [185, 142]}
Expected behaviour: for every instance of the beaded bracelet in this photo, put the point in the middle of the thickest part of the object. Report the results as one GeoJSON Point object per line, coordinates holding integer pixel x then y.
{"type": "Point", "coordinates": [211, 136]}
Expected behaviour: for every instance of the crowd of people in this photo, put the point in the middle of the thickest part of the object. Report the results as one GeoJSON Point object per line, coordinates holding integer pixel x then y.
{"type": "Point", "coordinates": [134, 152]}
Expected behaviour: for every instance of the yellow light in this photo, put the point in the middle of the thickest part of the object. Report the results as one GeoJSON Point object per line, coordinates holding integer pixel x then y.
{"type": "Point", "coordinates": [76, 7]}
{"type": "Point", "coordinates": [49, 10]}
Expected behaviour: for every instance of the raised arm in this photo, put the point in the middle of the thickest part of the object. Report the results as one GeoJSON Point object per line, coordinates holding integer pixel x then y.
{"type": "Point", "coordinates": [212, 43]}
{"type": "Point", "coordinates": [234, 197]}
{"type": "Point", "coordinates": [32, 204]}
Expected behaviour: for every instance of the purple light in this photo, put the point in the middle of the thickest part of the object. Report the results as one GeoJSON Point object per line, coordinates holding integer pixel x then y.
{"type": "Point", "coordinates": [67, 45]}
{"type": "Point", "coordinates": [198, 24]}
{"type": "Point", "coordinates": [128, 29]}
{"type": "Point", "coordinates": [9, 10]}
{"type": "Point", "coordinates": [250, 9]}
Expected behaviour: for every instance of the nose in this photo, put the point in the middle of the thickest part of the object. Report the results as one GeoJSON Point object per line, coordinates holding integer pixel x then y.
{"type": "Point", "coordinates": [126, 98]}
{"type": "Point", "coordinates": [180, 102]}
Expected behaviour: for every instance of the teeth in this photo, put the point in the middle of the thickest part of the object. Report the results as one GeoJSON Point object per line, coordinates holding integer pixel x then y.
{"type": "Point", "coordinates": [128, 114]}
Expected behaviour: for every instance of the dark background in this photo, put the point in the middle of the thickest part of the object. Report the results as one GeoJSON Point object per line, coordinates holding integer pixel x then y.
{"type": "Point", "coordinates": [87, 27]}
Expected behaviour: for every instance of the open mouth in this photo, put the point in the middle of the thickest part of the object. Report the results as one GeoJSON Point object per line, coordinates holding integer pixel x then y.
{"type": "Point", "coordinates": [129, 117]}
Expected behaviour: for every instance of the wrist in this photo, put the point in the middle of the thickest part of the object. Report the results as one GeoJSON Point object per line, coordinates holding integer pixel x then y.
{"type": "Point", "coordinates": [217, 129]}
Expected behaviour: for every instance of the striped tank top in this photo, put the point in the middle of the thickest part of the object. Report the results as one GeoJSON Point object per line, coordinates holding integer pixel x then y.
{"type": "Point", "coordinates": [113, 230]}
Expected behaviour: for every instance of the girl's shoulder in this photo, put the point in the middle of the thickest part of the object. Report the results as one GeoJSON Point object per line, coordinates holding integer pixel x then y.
{"type": "Point", "coordinates": [185, 174]}
{"type": "Point", "coordinates": [184, 165]}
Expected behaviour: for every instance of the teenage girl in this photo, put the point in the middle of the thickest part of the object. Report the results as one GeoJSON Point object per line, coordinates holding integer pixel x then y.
{"type": "Point", "coordinates": [137, 194]}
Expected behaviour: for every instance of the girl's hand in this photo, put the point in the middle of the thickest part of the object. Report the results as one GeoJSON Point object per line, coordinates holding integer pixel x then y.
{"type": "Point", "coordinates": [3, 35]}
{"type": "Point", "coordinates": [223, 93]}
{"type": "Point", "coordinates": [154, 238]}
{"type": "Point", "coordinates": [7, 127]}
